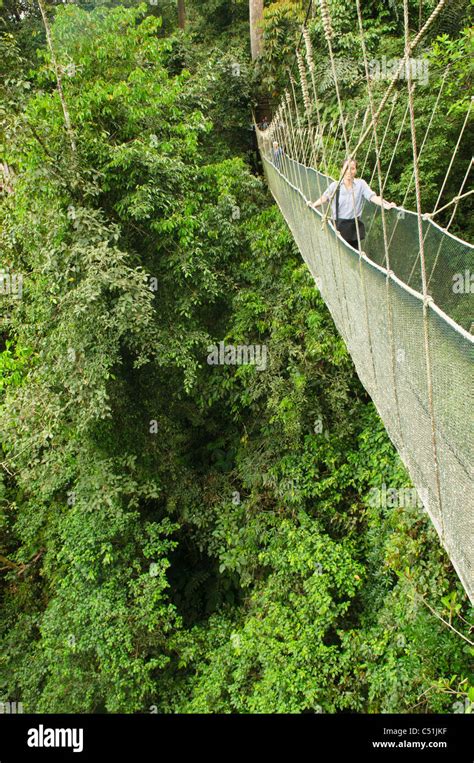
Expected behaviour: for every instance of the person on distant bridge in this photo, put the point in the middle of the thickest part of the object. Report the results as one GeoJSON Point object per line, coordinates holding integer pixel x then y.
{"type": "Point", "coordinates": [351, 192]}
{"type": "Point", "coordinates": [277, 153]}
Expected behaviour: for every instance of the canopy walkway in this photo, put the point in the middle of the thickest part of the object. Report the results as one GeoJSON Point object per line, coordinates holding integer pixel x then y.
{"type": "Point", "coordinates": [393, 299]}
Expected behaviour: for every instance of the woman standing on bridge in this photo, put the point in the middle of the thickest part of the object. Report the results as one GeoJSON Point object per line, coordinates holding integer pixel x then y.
{"type": "Point", "coordinates": [348, 202]}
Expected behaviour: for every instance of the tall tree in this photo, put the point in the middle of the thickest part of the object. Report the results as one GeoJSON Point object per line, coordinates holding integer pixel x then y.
{"type": "Point", "coordinates": [256, 15]}
{"type": "Point", "coordinates": [181, 14]}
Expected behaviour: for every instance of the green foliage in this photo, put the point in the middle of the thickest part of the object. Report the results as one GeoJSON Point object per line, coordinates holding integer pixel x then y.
{"type": "Point", "coordinates": [174, 533]}
{"type": "Point", "coordinates": [280, 30]}
{"type": "Point", "coordinates": [445, 50]}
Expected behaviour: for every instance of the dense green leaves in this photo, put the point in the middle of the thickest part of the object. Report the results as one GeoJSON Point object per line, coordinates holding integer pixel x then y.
{"type": "Point", "coordinates": [177, 534]}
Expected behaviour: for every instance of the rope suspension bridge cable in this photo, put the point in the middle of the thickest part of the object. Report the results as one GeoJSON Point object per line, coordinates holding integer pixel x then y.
{"type": "Point", "coordinates": [410, 343]}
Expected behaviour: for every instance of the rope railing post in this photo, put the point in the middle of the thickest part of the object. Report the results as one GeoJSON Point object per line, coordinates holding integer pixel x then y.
{"type": "Point", "coordinates": [394, 101]}
{"type": "Point", "coordinates": [425, 138]}
{"type": "Point", "coordinates": [324, 227]}
{"type": "Point", "coordinates": [288, 122]}
{"type": "Point", "coordinates": [426, 298]}
{"type": "Point", "coordinates": [310, 62]}
{"type": "Point", "coordinates": [384, 224]}
{"type": "Point", "coordinates": [367, 154]}
{"type": "Point", "coordinates": [307, 106]}
{"type": "Point", "coordinates": [335, 143]}
{"type": "Point", "coordinates": [448, 171]}
{"type": "Point", "coordinates": [396, 75]}
{"type": "Point", "coordinates": [328, 33]}
{"type": "Point", "coordinates": [400, 131]}
{"type": "Point", "coordinates": [454, 201]}
{"type": "Point", "coordinates": [402, 126]}
{"type": "Point", "coordinates": [295, 150]}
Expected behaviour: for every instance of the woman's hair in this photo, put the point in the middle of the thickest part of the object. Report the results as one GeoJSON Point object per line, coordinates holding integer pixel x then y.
{"type": "Point", "coordinates": [346, 163]}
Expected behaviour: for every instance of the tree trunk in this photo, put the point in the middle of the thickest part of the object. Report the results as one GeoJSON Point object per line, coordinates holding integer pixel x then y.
{"type": "Point", "coordinates": [256, 15]}
{"type": "Point", "coordinates": [181, 14]}
{"type": "Point", "coordinates": [67, 119]}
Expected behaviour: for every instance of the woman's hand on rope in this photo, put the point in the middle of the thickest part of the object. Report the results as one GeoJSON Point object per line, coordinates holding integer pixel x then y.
{"type": "Point", "coordinates": [382, 202]}
{"type": "Point", "coordinates": [313, 204]}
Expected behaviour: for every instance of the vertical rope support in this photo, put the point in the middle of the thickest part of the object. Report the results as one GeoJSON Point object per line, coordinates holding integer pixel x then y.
{"type": "Point", "coordinates": [288, 137]}
{"type": "Point", "coordinates": [356, 118]}
{"type": "Point", "coordinates": [293, 138]}
{"type": "Point", "coordinates": [369, 149]}
{"type": "Point", "coordinates": [328, 33]}
{"type": "Point", "coordinates": [307, 104]}
{"type": "Point", "coordinates": [300, 139]}
{"type": "Point", "coordinates": [402, 125]}
{"type": "Point", "coordinates": [456, 203]}
{"type": "Point", "coordinates": [307, 107]}
{"type": "Point", "coordinates": [285, 138]}
{"type": "Point", "coordinates": [426, 298]}
{"type": "Point", "coordinates": [321, 128]}
{"type": "Point", "coordinates": [384, 137]}
{"type": "Point", "coordinates": [289, 127]}
{"type": "Point", "coordinates": [459, 194]}
{"type": "Point", "coordinates": [310, 62]}
{"type": "Point", "coordinates": [454, 154]}
{"type": "Point", "coordinates": [280, 135]}
{"type": "Point", "coordinates": [401, 65]}
{"type": "Point", "coordinates": [277, 132]}
{"type": "Point", "coordinates": [306, 100]}
{"type": "Point", "coordinates": [384, 223]}
{"type": "Point", "coordinates": [291, 134]}
{"type": "Point", "coordinates": [435, 107]}
{"type": "Point", "coordinates": [335, 143]}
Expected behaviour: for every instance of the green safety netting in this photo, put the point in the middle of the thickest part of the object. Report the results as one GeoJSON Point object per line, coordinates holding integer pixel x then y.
{"type": "Point", "coordinates": [397, 343]}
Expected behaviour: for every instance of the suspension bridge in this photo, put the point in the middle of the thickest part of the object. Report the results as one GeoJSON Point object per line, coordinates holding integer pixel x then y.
{"type": "Point", "coordinates": [401, 299]}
